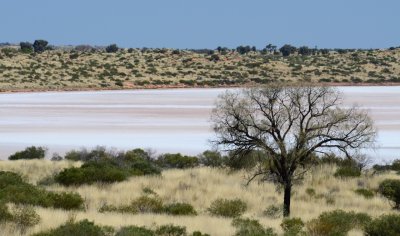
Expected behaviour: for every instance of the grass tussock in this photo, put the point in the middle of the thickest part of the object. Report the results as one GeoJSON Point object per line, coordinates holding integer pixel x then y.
{"type": "Point", "coordinates": [200, 187]}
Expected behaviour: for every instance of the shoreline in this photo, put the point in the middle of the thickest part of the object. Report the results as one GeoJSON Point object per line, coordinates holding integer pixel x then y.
{"type": "Point", "coordinates": [161, 87]}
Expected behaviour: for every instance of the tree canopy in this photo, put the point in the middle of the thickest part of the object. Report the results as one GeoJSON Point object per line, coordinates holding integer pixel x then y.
{"type": "Point", "coordinates": [290, 125]}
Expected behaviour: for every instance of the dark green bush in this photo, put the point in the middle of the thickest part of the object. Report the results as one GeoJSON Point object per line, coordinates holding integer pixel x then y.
{"type": "Point", "coordinates": [112, 48]}
{"type": "Point", "coordinates": [211, 158]}
{"type": "Point", "coordinates": [390, 188]}
{"type": "Point", "coordinates": [227, 208]}
{"type": "Point", "coordinates": [177, 161]}
{"type": "Point", "coordinates": [91, 172]}
{"type": "Point", "coordinates": [29, 153]}
{"type": "Point", "coordinates": [385, 225]}
{"type": "Point", "coordinates": [347, 172]}
{"type": "Point", "coordinates": [365, 193]}
{"type": "Point", "coordinates": [14, 189]}
{"type": "Point", "coordinates": [337, 223]}
{"type": "Point", "coordinates": [106, 167]}
{"type": "Point", "coordinates": [198, 233]}
{"type": "Point", "coordinates": [26, 47]}
{"type": "Point", "coordinates": [170, 230]}
{"type": "Point", "coordinates": [67, 201]}
{"type": "Point", "coordinates": [40, 45]}
{"type": "Point", "coordinates": [135, 231]}
{"type": "Point", "coordinates": [292, 227]}
{"type": "Point", "coordinates": [5, 214]}
{"type": "Point", "coordinates": [179, 209]}
{"type": "Point", "coordinates": [396, 165]}
{"type": "Point", "coordinates": [81, 228]}
{"type": "Point", "coordinates": [246, 227]}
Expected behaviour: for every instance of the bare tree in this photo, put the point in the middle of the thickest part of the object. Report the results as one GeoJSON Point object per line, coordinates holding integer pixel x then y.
{"type": "Point", "coordinates": [290, 125]}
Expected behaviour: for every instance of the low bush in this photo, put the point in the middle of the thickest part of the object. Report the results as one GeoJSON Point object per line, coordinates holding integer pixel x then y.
{"type": "Point", "coordinates": [14, 189]}
{"type": "Point", "coordinates": [347, 172]}
{"type": "Point", "coordinates": [337, 223]}
{"type": "Point", "coordinates": [67, 201]}
{"type": "Point", "coordinates": [81, 228]}
{"type": "Point", "coordinates": [246, 227]}
{"type": "Point", "coordinates": [106, 167]}
{"type": "Point", "coordinates": [5, 214]}
{"type": "Point", "coordinates": [368, 194]}
{"type": "Point", "coordinates": [390, 188]}
{"type": "Point", "coordinates": [292, 227]}
{"type": "Point", "coordinates": [170, 230]}
{"type": "Point", "coordinates": [143, 204]}
{"type": "Point", "coordinates": [135, 231]}
{"type": "Point", "coordinates": [151, 204]}
{"type": "Point", "coordinates": [24, 217]}
{"type": "Point", "coordinates": [91, 172]}
{"type": "Point", "coordinates": [227, 208]}
{"type": "Point", "coordinates": [385, 225]}
{"type": "Point", "coordinates": [29, 153]}
{"type": "Point", "coordinates": [273, 212]}
{"type": "Point", "coordinates": [179, 209]}
{"type": "Point", "coordinates": [177, 161]}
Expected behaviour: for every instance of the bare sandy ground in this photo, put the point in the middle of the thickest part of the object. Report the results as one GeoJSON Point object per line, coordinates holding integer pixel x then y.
{"type": "Point", "coordinates": [168, 120]}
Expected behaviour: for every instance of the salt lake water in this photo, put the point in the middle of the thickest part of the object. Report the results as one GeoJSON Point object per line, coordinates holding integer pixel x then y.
{"type": "Point", "coordinates": [166, 120]}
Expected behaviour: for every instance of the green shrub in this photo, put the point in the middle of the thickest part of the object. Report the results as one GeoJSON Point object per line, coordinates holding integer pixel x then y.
{"type": "Point", "coordinates": [14, 189]}
{"type": "Point", "coordinates": [29, 153]}
{"type": "Point", "coordinates": [198, 233]}
{"type": "Point", "coordinates": [177, 161]}
{"type": "Point", "coordinates": [292, 227]}
{"type": "Point", "coordinates": [81, 228]}
{"type": "Point", "coordinates": [91, 172]}
{"type": "Point", "coordinates": [67, 201]}
{"type": "Point", "coordinates": [395, 165]}
{"type": "Point", "coordinates": [143, 204]}
{"type": "Point", "coordinates": [211, 158]}
{"type": "Point", "coordinates": [24, 217]}
{"type": "Point", "coordinates": [227, 208]}
{"type": "Point", "coordinates": [105, 167]}
{"type": "Point", "coordinates": [365, 193]}
{"type": "Point", "coordinates": [179, 209]}
{"type": "Point", "coordinates": [5, 214]}
{"type": "Point", "coordinates": [337, 223]}
{"type": "Point", "coordinates": [390, 188]}
{"type": "Point", "coordinates": [347, 172]}
{"type": "Point", "coordinates": [385, 225]}
{"type": "Point", "coordinates": [310, 192]}
{"type": "Point", "coordinates": [112, 48]}
{"type": "Point", "coordinates": [273, 212]}
{"type": "Point", "coordinates": [135, 231]}
{"type": "Point", "coordinates": [170, 230]}
{"type": "Point", "coordinates": [246, 227]}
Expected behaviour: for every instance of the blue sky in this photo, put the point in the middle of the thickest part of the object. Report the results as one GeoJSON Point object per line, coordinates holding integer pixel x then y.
{"type": "Point", "coordinates": [203, 23]}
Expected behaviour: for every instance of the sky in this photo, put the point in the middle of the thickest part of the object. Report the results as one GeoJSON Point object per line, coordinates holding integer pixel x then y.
{"type": "Point", "coordinates": [203, 23]}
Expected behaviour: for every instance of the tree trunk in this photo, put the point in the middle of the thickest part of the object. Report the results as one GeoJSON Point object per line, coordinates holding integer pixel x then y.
{"type": "Point", "coordinates": [286, 200]}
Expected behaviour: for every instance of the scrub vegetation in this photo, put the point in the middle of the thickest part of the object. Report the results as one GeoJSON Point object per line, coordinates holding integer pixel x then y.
{"type": "Point", "coordinates": [203, 198]}
{"type": "Point", "coordinates": [38, 66]}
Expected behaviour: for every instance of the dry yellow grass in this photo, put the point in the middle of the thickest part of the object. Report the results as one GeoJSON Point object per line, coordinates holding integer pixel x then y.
{"type": "Point", "coordinates": [199, 187]}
